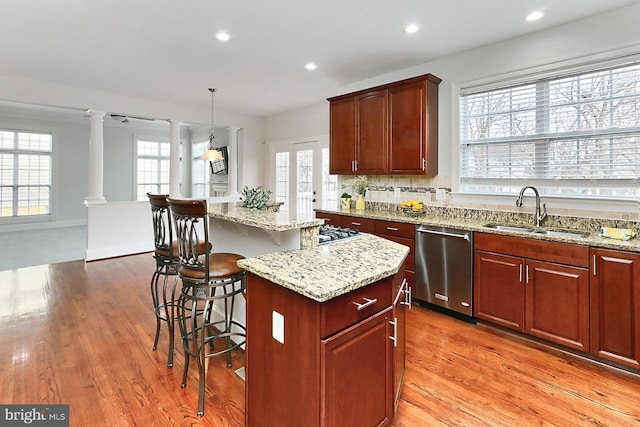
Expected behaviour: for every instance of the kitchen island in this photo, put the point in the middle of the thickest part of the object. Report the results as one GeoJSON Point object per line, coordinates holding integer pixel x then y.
{"type": "Point", "coordinates": [325, 333]}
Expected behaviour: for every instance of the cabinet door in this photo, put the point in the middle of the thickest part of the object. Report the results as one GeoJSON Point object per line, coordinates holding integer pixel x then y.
{"type": "Point", "coordinates": [343, 134]}
{"type": "Point", "coordinates": [557, 303]}
{"type": "Point", "coordinates": [357, 377]}
{"type": "Point", "coordinates": [372, 147]}
{"type": "Point", "coordinates": [499, 289]}
{"type": "Point", "coordinates": [407, 104]}
{"type": "Point", "coordinates": [401, 304]}
{"type": "Point", "coordinates": [615, 306]}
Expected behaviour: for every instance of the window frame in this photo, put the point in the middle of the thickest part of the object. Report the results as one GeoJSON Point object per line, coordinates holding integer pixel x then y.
{"type": "Point", "coordinates": [158, 158]}
{"type": "Point", "coordinates": [16, 151]}
{"type": "Point", "coordinates": [511, 78]}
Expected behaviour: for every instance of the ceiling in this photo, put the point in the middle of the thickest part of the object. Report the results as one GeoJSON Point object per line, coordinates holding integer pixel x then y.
{"type": "Point", "coordinates": [166, 50]}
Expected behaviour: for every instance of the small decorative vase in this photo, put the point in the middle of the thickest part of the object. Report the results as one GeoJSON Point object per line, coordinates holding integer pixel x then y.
{"type": "Point", "coordinates": [360, 205]}
{"type": "Point", "coordinates": [345, 203]}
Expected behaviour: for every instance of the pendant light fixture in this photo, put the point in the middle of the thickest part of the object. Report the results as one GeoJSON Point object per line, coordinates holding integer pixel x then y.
{"type": "Point", "coordinates": [212, 153]}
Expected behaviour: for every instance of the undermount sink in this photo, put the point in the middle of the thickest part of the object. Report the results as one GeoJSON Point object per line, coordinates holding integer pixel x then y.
{"type": "Point", "coordinates": [553, 233]}
{"type": "Point", "coordinates": [557, 233]}
{"type": "Point", "coordinates": [509, 228]}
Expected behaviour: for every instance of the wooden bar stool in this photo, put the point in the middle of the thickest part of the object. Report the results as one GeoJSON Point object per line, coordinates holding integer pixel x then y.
{"type": "Point", "coordinates": [166, 256]}
{"type": "Point", "coordinates": [207, 277]}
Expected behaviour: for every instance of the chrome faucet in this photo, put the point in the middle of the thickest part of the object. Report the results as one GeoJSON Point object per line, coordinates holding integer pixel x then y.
{"type": "Point", "coordinates": [540, 216]}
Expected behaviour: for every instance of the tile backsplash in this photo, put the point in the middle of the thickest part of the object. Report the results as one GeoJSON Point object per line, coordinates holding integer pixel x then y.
{"type": "Point", "coordinates": [435, 191]}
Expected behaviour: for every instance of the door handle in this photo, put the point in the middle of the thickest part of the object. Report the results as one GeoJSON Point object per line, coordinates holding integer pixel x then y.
{"type": "Point", "coordinates": [444, 233]}
{"type": "Point", "coordinates": [366, 304]}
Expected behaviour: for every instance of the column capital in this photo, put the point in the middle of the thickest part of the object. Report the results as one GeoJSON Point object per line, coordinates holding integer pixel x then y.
{"type": "Point", "coordinates": [232, 128]}
{"type": "Point", "coordinates": [174, 122]}
{"type": "Point", "coordinates": [96, 114]}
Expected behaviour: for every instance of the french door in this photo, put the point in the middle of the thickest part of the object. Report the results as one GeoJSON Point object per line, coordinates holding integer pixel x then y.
{"type": "Point", "coordinates": [300, 176]}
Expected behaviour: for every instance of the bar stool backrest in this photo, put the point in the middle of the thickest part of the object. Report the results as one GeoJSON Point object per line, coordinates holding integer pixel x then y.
{"type": "Point", "coordinates": [162, 226]}
{"type": "Point", "coordinates": [192, 232]}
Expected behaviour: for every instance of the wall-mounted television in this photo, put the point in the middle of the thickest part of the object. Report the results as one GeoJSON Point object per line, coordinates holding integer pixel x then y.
{"type": "Point", "coordinates": [221, 166]}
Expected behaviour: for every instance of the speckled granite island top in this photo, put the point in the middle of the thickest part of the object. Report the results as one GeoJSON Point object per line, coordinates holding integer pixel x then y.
{"type": "Point", "coordinates": [333, 269]}
{"type": "Point", "coordinates": [263, 219]}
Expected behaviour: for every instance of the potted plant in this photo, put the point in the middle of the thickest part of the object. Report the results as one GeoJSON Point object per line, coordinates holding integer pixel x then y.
{"type": "Point", "coordinates": [359, 184]}
{"type": "Point", "coordinates": [345, 201]}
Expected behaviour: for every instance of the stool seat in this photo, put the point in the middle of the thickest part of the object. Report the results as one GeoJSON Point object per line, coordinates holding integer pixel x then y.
{"type": "Point", "coordinates": [221, 266]}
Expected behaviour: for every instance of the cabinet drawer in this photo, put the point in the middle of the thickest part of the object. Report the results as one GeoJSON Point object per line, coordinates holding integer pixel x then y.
{"type": "Point", "coordinates": [365, 225]}
{"type": "Point", "coordinates": [342, 311]}
{"type": "Point", "coordinates": [391, 228]}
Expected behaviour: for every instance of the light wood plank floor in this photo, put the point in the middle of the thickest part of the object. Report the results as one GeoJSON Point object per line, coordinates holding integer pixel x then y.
{"type": "Point", "coordinates": [82, 334]}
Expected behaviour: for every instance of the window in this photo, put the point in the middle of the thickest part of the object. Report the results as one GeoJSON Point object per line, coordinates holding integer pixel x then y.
{"type": "Point", "coordinates": [25, 173]}
{"type": "Point", "coordinates": [200, 176]}
{"type": "Point", "coordinates": [153, 168]}
{"type": "Point", "coordinates": [571, 135]}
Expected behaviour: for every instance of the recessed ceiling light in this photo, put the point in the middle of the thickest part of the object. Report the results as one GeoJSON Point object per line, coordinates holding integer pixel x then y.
{"type": "Point", "coordinates": [223, 36]}
{"type": "Point", "coordinates": [534, 16]}
{"type": "Point", "coordinates": [310, 66]}
{"type": "Point", "coordinates": [411, 28]}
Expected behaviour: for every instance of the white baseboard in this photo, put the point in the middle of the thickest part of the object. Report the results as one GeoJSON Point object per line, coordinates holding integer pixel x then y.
{"type": "Point", "coordinates": [98, 253]}
{"type": "Point", "coordinates": [42, 225]}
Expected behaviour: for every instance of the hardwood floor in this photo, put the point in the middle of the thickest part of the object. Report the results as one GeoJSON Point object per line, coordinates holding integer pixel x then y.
{"type": "Point", "coordinates": [81, 334]}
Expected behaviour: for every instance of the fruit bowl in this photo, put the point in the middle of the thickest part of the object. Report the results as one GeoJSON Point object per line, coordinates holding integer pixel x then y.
{"type": "Point", "coordinates": [412, 207]}
{"type": "Point", "coordinates": [412, 211]}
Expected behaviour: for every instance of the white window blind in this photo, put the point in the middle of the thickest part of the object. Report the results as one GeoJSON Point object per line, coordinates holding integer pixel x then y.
{"type": "Point", "coordinates": [571, 135]}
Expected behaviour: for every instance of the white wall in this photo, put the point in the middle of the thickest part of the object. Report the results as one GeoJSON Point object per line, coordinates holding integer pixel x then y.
{"type": "Point", "coordinates": [72, 139]}
{"type": "Point", "coordinates": [599, 36]}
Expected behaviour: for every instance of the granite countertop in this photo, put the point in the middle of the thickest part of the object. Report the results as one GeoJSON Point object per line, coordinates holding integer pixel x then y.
{"type": "Point", "coordinates": [333, 269]}
{"type": "Point", "coordinates": [476, 220]}
{"type": "Point", "coordinates": [264, 219]}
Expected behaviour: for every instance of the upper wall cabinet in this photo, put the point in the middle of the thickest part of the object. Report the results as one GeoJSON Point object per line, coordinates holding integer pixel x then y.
{"type": "Point", "coordinates": [389, 129]}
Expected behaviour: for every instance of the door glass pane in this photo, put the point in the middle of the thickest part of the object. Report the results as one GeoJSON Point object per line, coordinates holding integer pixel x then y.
{"type": "Point", "coordinates": [329, 183]}
{"type": "Point", "coordinates": [282, 180]}
{"type": "Point", "coordinates": [304, 182]}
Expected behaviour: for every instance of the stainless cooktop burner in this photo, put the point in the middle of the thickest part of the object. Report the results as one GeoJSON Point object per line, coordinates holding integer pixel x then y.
{"type": "Point", "coordinates": [329, 233]}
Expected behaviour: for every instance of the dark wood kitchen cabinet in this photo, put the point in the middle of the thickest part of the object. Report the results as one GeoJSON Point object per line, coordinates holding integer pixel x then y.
{"type": "Point", "coordinates": [388, 129]}
{"type": "Point", "coordinates": [537, 287]}
{"type": "Point", "coordinates": [358, 134]}
{"type": "Point", "coordinates": [330, 219]}
{"type": "Point", "coordinates": [401, 303]}
{"type": "Point", "coordinates": [615, 305]}
{"type": "Point", "coordinates": [342, 135]}
{"type": "Point", "coordinates": [334, 365]}
{"type": "Point", "coordinates": [403, 233]}
{"type": "Point", "coordinates": [413, 129]}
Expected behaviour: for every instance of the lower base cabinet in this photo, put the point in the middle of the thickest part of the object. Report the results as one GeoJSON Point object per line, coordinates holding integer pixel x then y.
{"type": "Point", "coordinates": [615, 306]}
{"type": "Point", "coordinates": [541, 297]}
{"type": "Point", "coordinates": [328, 364]}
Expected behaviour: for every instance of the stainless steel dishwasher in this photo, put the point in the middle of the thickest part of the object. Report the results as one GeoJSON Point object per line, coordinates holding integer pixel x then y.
{"type": "Point", "coordinates": [444, 268]}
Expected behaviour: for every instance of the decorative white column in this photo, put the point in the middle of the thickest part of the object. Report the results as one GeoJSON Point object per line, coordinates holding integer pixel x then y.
{"type": "Point", "coordinates": [96, 159]}
{"type": "Point", "coordinates": [174, 159]}
{"type": "Point", "coordinates": [233, 161]}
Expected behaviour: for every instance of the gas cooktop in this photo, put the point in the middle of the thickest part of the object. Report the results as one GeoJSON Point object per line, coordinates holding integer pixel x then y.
{"type": "Point", "coordinates": [330, 233]}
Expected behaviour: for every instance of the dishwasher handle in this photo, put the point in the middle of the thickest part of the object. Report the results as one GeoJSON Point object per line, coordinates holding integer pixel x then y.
{"type": "Point", "coordinates": [464, 236]}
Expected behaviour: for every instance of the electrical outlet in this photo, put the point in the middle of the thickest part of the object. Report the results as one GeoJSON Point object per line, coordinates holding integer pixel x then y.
{"type": "Point", "coordinates": [396, 192]}
{"type": "Point", "coordinates": [440, 193]}
{"type": "Point", "coordinates": [277, 327]}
